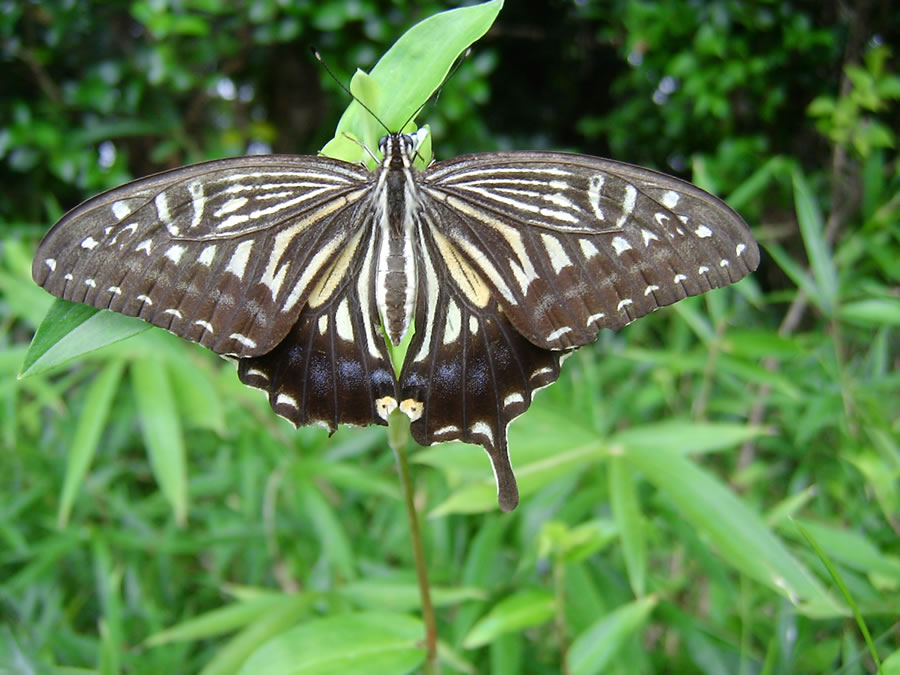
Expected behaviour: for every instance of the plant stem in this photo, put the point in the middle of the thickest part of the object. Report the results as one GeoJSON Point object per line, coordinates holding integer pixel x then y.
{"type": "Point", "coordinates": [398, 434]}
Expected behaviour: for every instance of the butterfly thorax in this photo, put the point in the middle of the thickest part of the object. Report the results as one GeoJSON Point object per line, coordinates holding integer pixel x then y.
{"type": "Point", "coordinates": [397, 200]}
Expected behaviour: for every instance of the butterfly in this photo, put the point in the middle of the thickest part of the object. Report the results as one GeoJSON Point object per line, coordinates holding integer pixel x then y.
{"type": "Point", "coordinates": [300, 268]}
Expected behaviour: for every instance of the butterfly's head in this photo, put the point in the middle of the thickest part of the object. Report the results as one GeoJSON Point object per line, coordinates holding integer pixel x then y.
{"type": "Point", "coordinates": [399, 150]}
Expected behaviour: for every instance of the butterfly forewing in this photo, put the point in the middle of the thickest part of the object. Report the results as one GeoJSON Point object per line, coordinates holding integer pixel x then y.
{"type": "Point", "coordinates": [300, 265]}
{"type": "Point", "coordinates": [223, 253]}
{"type": "Point", "coordinates": [570, 243]}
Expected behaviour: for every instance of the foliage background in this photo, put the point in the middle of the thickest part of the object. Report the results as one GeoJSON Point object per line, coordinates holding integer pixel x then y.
{"type": "Point", "coordinates": [659, 562]}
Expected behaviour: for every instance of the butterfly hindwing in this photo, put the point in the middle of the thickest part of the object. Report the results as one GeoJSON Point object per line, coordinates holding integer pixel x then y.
{"type": "Point", "coordinates": [468, 373]}
{"type": "Point", "coordinates": [333, 367]}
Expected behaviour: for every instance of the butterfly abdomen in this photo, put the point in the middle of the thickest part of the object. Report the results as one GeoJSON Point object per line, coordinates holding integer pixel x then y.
{"type": "Point", "coordinates": [396, 261]}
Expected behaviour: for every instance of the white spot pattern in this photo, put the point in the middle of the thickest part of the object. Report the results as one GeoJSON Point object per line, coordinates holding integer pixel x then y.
{"type": "Point", "coordinates": [670, 199]}
{"type": "Point", "coordinates": [482, 429]}
{"type": "Point", "coordinates": [238, 263]}
{"type": "Point", "coordinates": [342, 321]}
{"type": "Point", "coordinates": [284, 399]}
{"type": "Point", "coordinates": [648, 236]}
{"type": "Point", "coordinates": [621, 244]}
{"type": "Point", "coordinates": [453, 324]}
{"type": "Point", "coordinates": [121, 210]}
{"type": "Point", "coordinates": [588, 248]}
{"type": "Point", "coordinates": [243, 339]}
{"type": "Point", "coordinates": [558, 257]}
{"type": "Point", "coordinates": [558, 333]}
{"type": "Point", "coordinates": [205, 325]}
{"type": "Point", "coordinates": [515, 397]}
{"type": "Point", "coordinates": [595, 191]}
{"type": "Point", "coordinates": [175, 252]}
{"type": "Point", "coordinates": [207, 255]}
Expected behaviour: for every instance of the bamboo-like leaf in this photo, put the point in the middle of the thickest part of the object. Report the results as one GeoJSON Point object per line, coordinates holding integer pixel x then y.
{"type": "Point", "coordinates": [87, 435]}
{"type": "Point", "coordinates": [374, 643]}
{"type": "Point", "coordinates": [161, 426]}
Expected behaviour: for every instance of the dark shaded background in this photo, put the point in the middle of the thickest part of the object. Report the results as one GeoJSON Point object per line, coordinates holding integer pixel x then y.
{"type": "Point", "coordinates": [652, 84]}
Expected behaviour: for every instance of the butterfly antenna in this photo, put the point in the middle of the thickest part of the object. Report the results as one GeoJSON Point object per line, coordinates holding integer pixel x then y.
{"type": "Point", "coordinates": [350, 93]}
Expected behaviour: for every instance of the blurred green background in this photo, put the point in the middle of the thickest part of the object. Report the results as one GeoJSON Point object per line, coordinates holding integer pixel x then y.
{"type": "Point", "coordinates": [714, 489]}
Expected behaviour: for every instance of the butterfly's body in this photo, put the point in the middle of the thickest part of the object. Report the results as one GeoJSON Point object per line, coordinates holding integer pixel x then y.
{"type": "Point", "coordinates": [396, 216]}
{"type": "Point", "coordinates": [504, 262]}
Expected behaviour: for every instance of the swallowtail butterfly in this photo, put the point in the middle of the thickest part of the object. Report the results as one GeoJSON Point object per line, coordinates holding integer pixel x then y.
{"type": "Point", "coordinates": [299, 266]}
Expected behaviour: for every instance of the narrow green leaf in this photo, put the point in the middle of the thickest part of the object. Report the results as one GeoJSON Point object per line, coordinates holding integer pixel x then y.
{"type": "Point", "coordinates": [848, 596]}
{"type": "Point", "coordinates": [162, 432]}
{"type": "Point", "coordinates": [812, 229]}
{"type": "Point", "coordinates": [367, 644]}
{"type": "Point", "coordinates": [197, 397]}
{"type": "Point", "coordinates": [738, 534]}
{"type": "Point", "coordinates": [872, 312]}
{"type": "Point", "coordinates": [507, 653]}
{"type": "Point", "coordinates": [354, 477]}
{"type": "Point", "coordinates": [523, 610]}
{"type": "Point", "coordinates": [593, 650]}
{"type": "Point", "coordinates": [404, 596]}
{"type": "Point", "coordinates": [87, 435]}
{"type": "Point", "coordinates": [626, 510]}
{"type": "Point", "coordinates": [107, 582]}
{"type": "Point", "coordinates": [850, 548]}
{"type": "Point", "coordinates": [229, 659]}
{"type": "Point", "coordinates": [685, 437]}
{"type": "Point", "coordinates": [335, 540]}
{"type": "Point", "coordinates": [71, 330]}
{"type": "Point", "coordinates": [229, 618]}
{"type": "Point", "coordinates": [479, 496]}
{"type": "Point", "coordinates": [796, 273]}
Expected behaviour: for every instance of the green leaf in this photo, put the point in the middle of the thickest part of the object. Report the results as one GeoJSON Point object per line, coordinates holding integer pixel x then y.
{"type": "Point", "coordinates": [87, 435]}
{"type": "Point", "coordinates": [404, 596]}
{"type": "Point", "coordinates": [809, 218]}
{"type": "Point", "coordinates": [162, 432]}
{"type": "Point", "coordinates": [872, 312]}
{"type": "Point", "coordinates": [273, 624]}
{"type": "Point", "coordinates": [683, 437]}
{"type": "Point", "coordinates": [364, 644]}
{"type": "Point", "coordinates": [335, 541]}
{"type": "Point", "coordinates": [229, 618]}
{"type": "Point", "coordinates": [196, 396]}
{"type": "Point", "coordinates": [626, 510]}
{"type": "Point", "coordinates": [738, 534]}
{"type": "Point", "coordinates": [593, 650]}
{"type": "Point", "coordinates": [523, 610]}
{"type": "Point", "coordinates": [71, 330]}
{"type": "Point", "coordinates": [850, 548]}
{"type": "Point", "coordinates": [429, 49]}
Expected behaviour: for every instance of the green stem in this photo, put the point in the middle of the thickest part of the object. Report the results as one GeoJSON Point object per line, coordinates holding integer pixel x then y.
{"type": "Point", "coordinates": [398, 434]}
